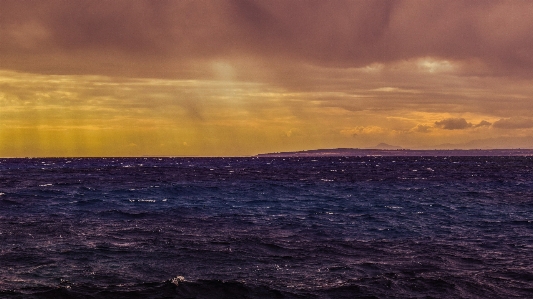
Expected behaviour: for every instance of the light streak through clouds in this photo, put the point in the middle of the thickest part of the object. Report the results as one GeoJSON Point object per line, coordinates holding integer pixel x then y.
{"type": "Point", "coordinates": [226, 78]}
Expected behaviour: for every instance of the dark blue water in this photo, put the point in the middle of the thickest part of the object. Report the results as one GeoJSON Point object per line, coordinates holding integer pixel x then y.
{"type": "Point", "coordinates": [357, 227]}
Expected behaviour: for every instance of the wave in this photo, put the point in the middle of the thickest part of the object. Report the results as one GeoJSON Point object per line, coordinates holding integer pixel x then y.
{"type": "Point", "coordinates": [178, 288]}
{"type": "Point", "coordinates": [115, 213]}
{"type": "Point", "coordinates": [172, 288]}
{"type": "Point", "coordinates": [386, 286]}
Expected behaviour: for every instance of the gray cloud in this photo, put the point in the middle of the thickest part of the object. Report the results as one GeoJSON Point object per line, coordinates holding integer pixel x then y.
{"type": "Point", "coordinates": [482, 123]}
{"type": "Point", "coordinates": [422, 128]}
{"type": "Point", "coordinates": [513, 123]}
{"type": "Point", "coordinates": [453, 124]}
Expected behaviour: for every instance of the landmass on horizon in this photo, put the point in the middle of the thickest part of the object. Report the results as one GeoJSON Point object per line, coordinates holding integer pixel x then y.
{"type": "Point", "coordinates": [393, 151]}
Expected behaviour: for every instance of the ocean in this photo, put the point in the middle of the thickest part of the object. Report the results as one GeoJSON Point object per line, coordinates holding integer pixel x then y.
{"type": "Point", "coordinates": [328, 227]}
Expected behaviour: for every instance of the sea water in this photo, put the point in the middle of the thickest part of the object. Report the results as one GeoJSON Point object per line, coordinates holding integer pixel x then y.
{"type": "Point", "coordinates": [331, 227]}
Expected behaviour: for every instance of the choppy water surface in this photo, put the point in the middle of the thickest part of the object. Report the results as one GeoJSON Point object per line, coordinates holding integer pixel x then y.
{"type": "Point", "coordinates": [357, 227]}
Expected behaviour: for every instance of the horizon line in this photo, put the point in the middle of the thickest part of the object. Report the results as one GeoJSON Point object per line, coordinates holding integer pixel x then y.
{"type": "Point", "coordinates": [269, 153]}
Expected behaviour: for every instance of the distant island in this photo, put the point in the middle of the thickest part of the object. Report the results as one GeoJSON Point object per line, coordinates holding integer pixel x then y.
{"type": "Point", "coordinates": [356, 152]}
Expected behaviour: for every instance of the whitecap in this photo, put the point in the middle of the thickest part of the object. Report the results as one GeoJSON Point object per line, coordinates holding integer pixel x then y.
{"type": "Point", "coordinates": [142, 200]}
{"type": "Point", "coordinates": [393, 207]}
{"type": "Point", "coordinates": [176, 280]}
{"type": "Point", "coordinates": [147, 200]}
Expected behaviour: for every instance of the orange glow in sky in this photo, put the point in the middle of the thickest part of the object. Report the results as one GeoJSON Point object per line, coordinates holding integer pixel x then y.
{"type": "Point", "coordinates": [233, 78]}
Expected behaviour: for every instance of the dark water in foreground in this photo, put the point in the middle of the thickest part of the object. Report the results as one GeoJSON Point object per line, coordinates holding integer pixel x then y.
{"type": "Point", "coordinates": [369, 227]}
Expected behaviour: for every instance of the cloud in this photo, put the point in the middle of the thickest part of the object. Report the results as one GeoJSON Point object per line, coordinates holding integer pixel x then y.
{"type": "Point", "coordinates": [458, 124]}
{"type": "Point", "coordinates": [453, 124]}
{"type": "Point", "coordinates": [134, 38]}
{"type": "Point", "coordinates": [483, 123]}
{"type": "Point", "coordinates": [199, 70]}
{"type": "Point", "coordinates": [364, 130]}
{"type": "Point", "coordinates": [513, 123]}
{"type": "Point", "coordinates": [421, 128]}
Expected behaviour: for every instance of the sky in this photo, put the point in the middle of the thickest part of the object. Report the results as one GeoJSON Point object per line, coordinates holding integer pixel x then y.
{"type": "Point", "coordinates": [243, 77]}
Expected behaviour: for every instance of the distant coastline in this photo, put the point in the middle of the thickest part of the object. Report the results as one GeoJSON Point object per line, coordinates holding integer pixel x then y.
{"type": "Point", "coordinates": [357, 152]}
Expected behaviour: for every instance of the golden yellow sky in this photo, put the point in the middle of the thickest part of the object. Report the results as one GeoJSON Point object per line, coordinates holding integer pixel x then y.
{"type": "Point", "coordinates": [233, 78]}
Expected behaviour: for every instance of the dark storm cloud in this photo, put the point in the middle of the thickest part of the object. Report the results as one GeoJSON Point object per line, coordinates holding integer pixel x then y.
{"type": "Point", "coordinates": [161, 37]}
